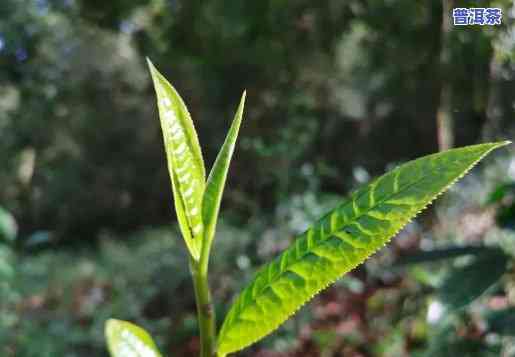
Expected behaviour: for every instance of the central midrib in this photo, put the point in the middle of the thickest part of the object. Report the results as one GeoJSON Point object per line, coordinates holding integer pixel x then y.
{"type": "Point", "coordinates": [359, 215]}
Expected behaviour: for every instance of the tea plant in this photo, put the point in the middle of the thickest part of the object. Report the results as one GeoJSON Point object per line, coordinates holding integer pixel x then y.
{"type": "Point", "coordinates": [335, 244]}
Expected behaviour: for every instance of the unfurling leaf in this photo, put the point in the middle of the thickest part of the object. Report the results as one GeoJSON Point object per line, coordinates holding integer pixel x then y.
{"type": "Point", "coordinates": [125, 339]}
{"type": "Point", "coordinates": [185, 163]}
{"type": "Point", "coordinates": [218, 175]}
{"type": "Point", "coordinates": [341, 240]}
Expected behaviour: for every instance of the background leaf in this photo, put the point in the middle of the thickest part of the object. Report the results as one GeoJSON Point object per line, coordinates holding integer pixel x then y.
{"type": "Point", "coordinates": [446, 341]}
{"type": "Point", "coordinates": [502, 321]}
{"type": "Point", "coordinates": [340, 241]}
{"type": "Point", "coordinates": [438, 254]}
{"type": "Point", "coordinates": [185, 163]}
{"type": "Point", "coordinates": [465, 284]}
{"type": "Point", "coordinates": [218, 175]}
{"type": "Point", "coordinates": [500, 192]}
{"type": "Point", "coordinates": [8, 226]}
{"type": "Point", "coordinates": [504, 196]}
{"type": "Point", "coordinates": [126, 339]}
{"type": "Point", "coordinates": [464, 348]}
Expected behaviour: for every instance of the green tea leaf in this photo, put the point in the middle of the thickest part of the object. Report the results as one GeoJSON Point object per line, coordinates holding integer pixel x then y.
{"type": "Point", "coordinates": [185, 163]}
{"type": "Point", "coordinates": [465, 284]}
{"type": "Point", "coordinates": [341, 240]}
{"type": "Point", "coordinates": [218, 175]}
{"type": "Point", "coordinates": [125, 339]}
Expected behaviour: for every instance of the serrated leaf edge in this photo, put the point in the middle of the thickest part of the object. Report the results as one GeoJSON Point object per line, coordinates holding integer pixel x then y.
{"type": "Point", "coordinates": [445, 188]}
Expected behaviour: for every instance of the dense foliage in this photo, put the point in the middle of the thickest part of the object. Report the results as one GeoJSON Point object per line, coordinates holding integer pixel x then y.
{"type": "Point", "coordinates": [340, 91]}
{"type": "Point", "coordinates": [325, 78]}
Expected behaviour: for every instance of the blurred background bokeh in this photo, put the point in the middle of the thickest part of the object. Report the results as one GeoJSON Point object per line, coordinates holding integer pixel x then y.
{"type": "Point", "coordinates": [338, 92]}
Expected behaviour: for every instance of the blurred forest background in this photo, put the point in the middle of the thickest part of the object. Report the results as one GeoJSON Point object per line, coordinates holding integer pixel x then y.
{"type": "Point", "coordinates": [338, 92]}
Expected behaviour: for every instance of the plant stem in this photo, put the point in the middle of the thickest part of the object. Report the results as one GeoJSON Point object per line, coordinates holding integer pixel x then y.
{"type": "Point", "coordinates": [205, 310]}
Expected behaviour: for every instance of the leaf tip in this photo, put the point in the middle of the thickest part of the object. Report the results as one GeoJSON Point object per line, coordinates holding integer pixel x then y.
{"type": "Point", "coordinates": [498, 144]}
{"type": "Point", "coordinates": [243, 98]}
{"type": "Point", "coordinates": [154, 73]}
{"type": "Point", "coordinates": [149, 63]}
{"type": "Point", "coordinates": [110, 324]}
{"type": "Point", "coordinates": [153, 70]}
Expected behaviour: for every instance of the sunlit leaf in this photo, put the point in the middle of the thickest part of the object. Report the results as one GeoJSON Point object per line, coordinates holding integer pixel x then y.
{"type": "Point", "coordinates": [125, 339]}
{"type": "Point", "coordinates": [185, 163]}
{"type": "Point", "coordinates": [341, 240]}
{"type": "Point", "coordinates": [218, 175]}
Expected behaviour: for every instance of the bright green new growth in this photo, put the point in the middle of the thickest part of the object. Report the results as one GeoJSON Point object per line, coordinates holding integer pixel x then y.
{"type": "Point", "coordinates": [218, 175]}
{"type": "Point", "coordinates": [340, 241]}
{"type": "Point", "coordinates": [334, 245]}
{"type": "Point", "coordinates": [125, 339]}
{"type": "Point", "coordinates": [185, 163]}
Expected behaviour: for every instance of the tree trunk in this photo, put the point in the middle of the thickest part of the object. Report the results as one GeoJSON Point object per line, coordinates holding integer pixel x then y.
{"type": "Point", "coordinates": [494, 113]}
{"type": "Point", "coordinates": [444, 121]}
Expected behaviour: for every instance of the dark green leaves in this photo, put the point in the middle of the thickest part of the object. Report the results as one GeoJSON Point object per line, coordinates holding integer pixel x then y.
{"type": "Point", "coordinates": [340, 241]}
{"type": "Point", "coordinates": [125, 339]}
{"type": "Point", "coordinates": [185, 163]}
{"type": "Point", "coordinates": [502, 321]}
{"type": "Point", "coordinates": [464, 348]}
{"type": "Point", "coordinates": [465, 284]}
{"type": "Point", "coordinates": [440, 254]}
{"type": "Point", "coordinates": [504, 197]}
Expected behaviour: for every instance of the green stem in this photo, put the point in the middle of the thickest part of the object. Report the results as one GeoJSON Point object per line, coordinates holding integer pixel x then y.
{"type": "Point", "coordinates": [205, 311]}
